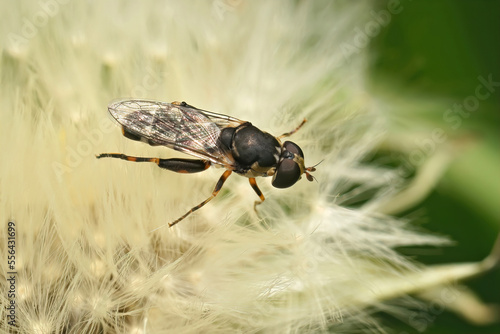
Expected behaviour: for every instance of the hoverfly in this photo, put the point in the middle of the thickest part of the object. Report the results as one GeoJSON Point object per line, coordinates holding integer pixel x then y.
{"type": "Point", "coordinates": [214, 139]}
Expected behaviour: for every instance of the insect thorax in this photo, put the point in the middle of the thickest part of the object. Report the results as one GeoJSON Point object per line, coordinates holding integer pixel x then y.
{"type": "Point", "coordinates": [255, 152]}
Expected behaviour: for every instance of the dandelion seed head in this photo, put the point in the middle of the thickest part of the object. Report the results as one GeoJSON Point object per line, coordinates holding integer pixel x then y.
{"type": "Point", "coordinates": [306, 262]}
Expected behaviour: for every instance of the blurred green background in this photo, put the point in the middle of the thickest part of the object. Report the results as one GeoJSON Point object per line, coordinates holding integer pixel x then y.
{"type": "Point", "coordinates": [435, 50]}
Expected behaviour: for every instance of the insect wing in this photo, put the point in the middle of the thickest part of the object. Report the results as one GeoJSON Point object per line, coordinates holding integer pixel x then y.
{"type": "Point", "coordinates": [182, 128]}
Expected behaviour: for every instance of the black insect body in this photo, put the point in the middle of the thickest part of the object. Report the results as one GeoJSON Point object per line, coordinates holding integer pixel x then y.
{"type": "Point", "coordinates": [214, 139]}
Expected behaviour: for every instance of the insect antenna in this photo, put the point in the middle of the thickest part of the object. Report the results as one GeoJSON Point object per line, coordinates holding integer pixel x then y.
{"type": "Point", "coordinates": [312, 169]}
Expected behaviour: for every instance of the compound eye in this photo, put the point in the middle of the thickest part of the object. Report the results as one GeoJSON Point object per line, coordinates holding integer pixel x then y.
{"type": "Point", "coordinates": [294, 148]}
{"type": "Point", "coordinates": [287, 173]}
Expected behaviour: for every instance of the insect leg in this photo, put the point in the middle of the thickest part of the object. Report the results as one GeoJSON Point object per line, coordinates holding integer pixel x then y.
{"type": "Point", "coordinates": [294, 130]}
{"type": "Point", "coordinates": [253, 183]}
{"type": "Point", "coordinates": [174, 165]}
{"type": "Point", "coordinates": [217, 188]}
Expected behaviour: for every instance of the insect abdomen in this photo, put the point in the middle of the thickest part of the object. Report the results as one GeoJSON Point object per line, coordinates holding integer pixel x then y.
{"type": "Point", "coordinates": [133, 136]}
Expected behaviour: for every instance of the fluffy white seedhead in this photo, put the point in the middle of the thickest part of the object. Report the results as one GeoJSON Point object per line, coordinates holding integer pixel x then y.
{"type": "Point", "coordinates": [318, 256]}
